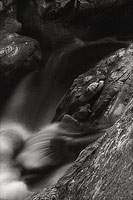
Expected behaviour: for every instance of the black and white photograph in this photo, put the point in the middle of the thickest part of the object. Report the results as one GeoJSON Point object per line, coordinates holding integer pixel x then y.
{"type": "Point", "coordinates": [66, 99]}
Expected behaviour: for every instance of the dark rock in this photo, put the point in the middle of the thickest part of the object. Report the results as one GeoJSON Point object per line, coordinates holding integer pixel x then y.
{"type": "Point", "coordinates": [1, 6]}
{"type": "Point", "coordinates": [117, 91]}
{"type": "Point", "coordinates": [19, 55]}
{"type": "Point", "coordinates": [51, 21]}
{"type": "Point", "coordinates": [7, 2]}
{"type": "Point", "coordinates": [8, 16]}
{"type": "Point", "coordinates": [7, 8]}
{"type": "Point", "coordinates": [10, 25]}
{"type": "Point", "coordinates": [100, 95]}
{"type": "Point", "coordinates": [104, 169]}
{"type": "Point", "coordinates": [16, 50]}
{"type": "Point", "coordinates": [111, 21]}
{"type": "Point", "coordinates": [85, 4]}
{"type": "Point", "coordinates": [82, 113]}
{"type": "Point", "coordinates": [47, 31]}
{"type": "Point", "coordinates": [103, 162]}
{"type": "Point", "coordinates": [55, 8]}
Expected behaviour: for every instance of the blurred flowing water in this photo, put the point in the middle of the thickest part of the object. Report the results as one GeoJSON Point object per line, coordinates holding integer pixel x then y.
{"type": "Point", "coordinates": [35, 99]}
{"type": "Point", "coordinates": [33, 102]}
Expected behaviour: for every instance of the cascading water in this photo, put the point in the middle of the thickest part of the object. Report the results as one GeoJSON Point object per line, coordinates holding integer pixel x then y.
{"type": "Point", "coordinates": [35, 99]}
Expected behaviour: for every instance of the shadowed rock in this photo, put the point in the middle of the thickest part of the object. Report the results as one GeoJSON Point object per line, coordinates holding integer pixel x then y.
{"type": "Point", "coordinates": [104, 169]}
{"type": "Point", "coordinates": [8, 8]}
{"type": "Point", "coordinates": [19, 55]}
{"type": "Point", "coordinates": [10, 25]}
{"type": "Point", "coordinates": [90, 96]}
{"type": "Point", "coordinates": [55, 20]}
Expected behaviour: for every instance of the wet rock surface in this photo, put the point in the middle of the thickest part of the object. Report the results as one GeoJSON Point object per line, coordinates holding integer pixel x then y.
{"type": "Point", "coordinates": [102, 95]}
{"type": "Point", "coordinates": [16, 50]}
{"type": "Point", "coordinates": [90, 96]}
{"type": "Point", "coordinates": [89, 20]}
{"type": "Point", "coordinates": [104, 169]}
{"type": "Point", "coordinates": [19, 55]}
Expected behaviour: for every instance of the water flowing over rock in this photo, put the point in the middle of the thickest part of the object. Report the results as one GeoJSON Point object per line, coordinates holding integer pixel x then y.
{"type": "Point", "coordinates": [19, 55]}
{"type": "Point", "coordinates": [104, 169]}
{"type": "Point", "coordinates": [42, 36]}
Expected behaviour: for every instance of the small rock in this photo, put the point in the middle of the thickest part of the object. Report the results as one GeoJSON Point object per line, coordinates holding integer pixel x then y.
{"type": "Point", "coordinates": [83, 113]}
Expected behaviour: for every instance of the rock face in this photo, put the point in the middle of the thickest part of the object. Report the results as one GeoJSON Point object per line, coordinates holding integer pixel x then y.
{"type": "Point", "coordinates": [19, 55]}
{"type": "Point", "coordinates": [93, 96]}
{"type": "Point", "coordinates": [56, 7]}
{"type": "Point", "coordinates": [53, 20]}
{"type": "Point", "coordinates": [100, 96]}
{"type": "Point", "coordinates": [104, 169]}
{"type": "Point", "coordinates": [107, 171]}
{"type": "Point", "coordinates": [8, 18]}
{"type": "Point", "coordinates": [15, 50]}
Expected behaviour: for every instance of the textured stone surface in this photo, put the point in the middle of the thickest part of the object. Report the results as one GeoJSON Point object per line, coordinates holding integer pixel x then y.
{"type": "Point", "coordinates": [53, 7]}
{"type": "Point", "coordinates": [19, 55]}
{"type": "Point", "coordinates": [100, 96]}
{"type": "Point", "coordinates": [15, 50]}
{"type": "Point", "coordinates": [54, 21]}
{"type": "Point", "coordinates": [104, 169]}
{"type": "Point", "coordinates": [110, 79]}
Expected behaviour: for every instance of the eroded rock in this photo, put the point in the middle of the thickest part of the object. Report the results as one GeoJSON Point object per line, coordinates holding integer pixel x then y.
{"type": "Point", "coordinates": [102, 170]}
{"type": "Point", "coordinates": [101, 94]}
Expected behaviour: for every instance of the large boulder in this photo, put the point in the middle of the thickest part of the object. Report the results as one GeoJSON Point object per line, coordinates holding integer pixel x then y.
{"type": "Point", "coordinates": [104, 169]}
{"type": "Point", "coordinates": [19, 55]}
{"type": "Point", "coordinates": [51, 21]}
